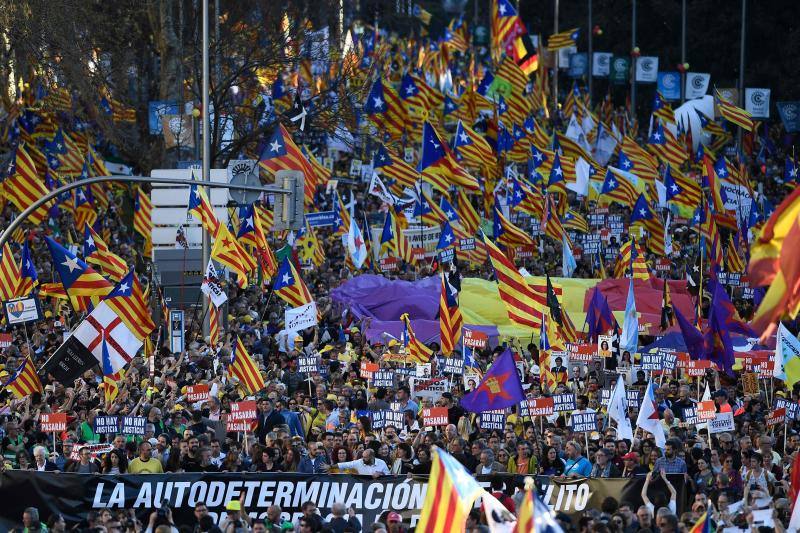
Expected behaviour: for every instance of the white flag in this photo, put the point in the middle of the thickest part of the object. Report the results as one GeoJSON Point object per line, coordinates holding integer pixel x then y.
{"type": "Point", "coordinates": [568, 263]}
{"type": "Point", "coordinates": [648, 418]}
{"type": "Point", "coordinates": [787, 347]}
{"type": "Point", "coordinates": [575, 132]}
{"type": "Point", "coordinates": [354, 242]}
{"type": "Point", "coordinates": [377, 188]}
{"type": "Point", "coordinates": [605, 145]}
{"type": "Point", "coordinates": [211, 286]}
{"type": "Point", "coordinates": [618, 410]}
{"type": "Point", "coordinates": [103, 323]}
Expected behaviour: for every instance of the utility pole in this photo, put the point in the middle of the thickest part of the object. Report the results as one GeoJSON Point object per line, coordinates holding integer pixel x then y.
{"type": "Point", "coordinates": [555, 62]}
{"type": "Point", "coordinates": [206, 150]}
{"type": "Point", "coordinates": [683, 50]}
{"type": "Point", "coordinates": [635, 59]}
{"type": "Point", "coordinates": [591, 55]}
{"type": "Point", "coordinates": [743, 37]}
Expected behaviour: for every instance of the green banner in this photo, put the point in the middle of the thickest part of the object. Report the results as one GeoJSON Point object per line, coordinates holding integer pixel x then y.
{"type": "Point", "coordinates": [620, 70]}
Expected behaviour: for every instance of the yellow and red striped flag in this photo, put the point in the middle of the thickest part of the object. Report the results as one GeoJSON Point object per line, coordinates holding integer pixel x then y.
{"type": "Point", "coordinates": [467, 215]}
{"type": "Point", "coordinates": [281, 153]}
{"type": "Point", "coordinates": [213, 323]}
{"type": "Point", "coordinates": [229, 252]}
{"type": "Point", "coordinates": [290, 287]}
{"type": "Point", "coordinates": [25, 381]}
{"type": "Point", "coordinates": [452, 492]}
{"type": "Point", "coordinates": [450, 319]}
{"type": "Point", "coordinates": [10, 276]}
{"type": "Point", "coordinates": [243, 368]}
{"type": "Point", "coordinates": [201, 209]}
{"type": "Point", "coordinates": [24, 186]}
{"type": "Point", "coordinates": [128, 302]}
{"type": "Point", "coordinates": [97, 252]}
{"type": "Point", "coordinates": [143, 219]}
{"type": "Point", "coordinates": [563, 39]}
{"type": "Point", "coordinates": [416, 351]}
{"type": "Point", "coordinates": [733, 113]}
{"type": "Point", "coordinates": [522, 303]}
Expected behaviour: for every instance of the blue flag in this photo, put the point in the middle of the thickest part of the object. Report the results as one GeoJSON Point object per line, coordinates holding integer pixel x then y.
{"type": "Point", "coordinates": [499, 388]}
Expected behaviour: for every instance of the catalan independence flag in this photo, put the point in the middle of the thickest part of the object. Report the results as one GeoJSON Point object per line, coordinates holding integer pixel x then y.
{"type": "Point", "coordinates": [29, 277]}
{"type": "Point", "coordinates": [200, 208]}
{"type": "Point", "coordinates": [450, 319]}
{"type": "Point", "coordinates": [386, 110]}
{"type": "Point", "coordinates": [23, 186]}
{"type": "Point", "coordinates": [230, 253]}
{"type": "Point", "coordinates": [97, 252]}
{"type": "Point", "coordinates": [281, 153]}
{"type": "Point", "coordinates": [243, 368]}
{"type": "Point", "coordinates": [518, 297]}
{"type": "Point", "coordinates": [143, 219]}
{"type": "Point", "coordinates": [733, 113]}
{"type": "Point", "coordinates": [506, 25]}
{"type": "Point", "coordinates": [128, 302]}
{"type": "Point", "coordinates": [25, 381]}
{"type": "Point", "coordinates": [10, 276]}
{"type": "Point", "coordinates": [563, 39]}
{"type": "Point", "coordinates": [289, 286]}
{"type": "Point", "coordinates": [81, 282]}
{"type": "Point", "coordinates": [452, 492]}
{"type": "Point", "coordinates": [416, 350]}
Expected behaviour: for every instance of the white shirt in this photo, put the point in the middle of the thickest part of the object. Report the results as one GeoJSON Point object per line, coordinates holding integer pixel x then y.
{"type": "Point", "coordinates": [378, 466]}
{"type": "Point", "coordinates": [217, 461]}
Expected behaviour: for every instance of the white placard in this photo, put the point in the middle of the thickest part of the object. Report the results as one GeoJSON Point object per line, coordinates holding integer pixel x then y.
{"type": "Point", "coordinates": [756, 102]}
{"type": "Point", "coordinates": [647, 69]}
{"type": "Point", "coordinates": [302, 317]}
{"type": "Point", "coordinates": [601, 64]}
{"type": "Point", "coordinates": [696, 85]}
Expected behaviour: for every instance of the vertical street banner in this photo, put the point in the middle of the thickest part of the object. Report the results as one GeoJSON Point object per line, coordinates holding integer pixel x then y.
{"type": "Point", "coordinates": [696, 85]}
{"type": "Point", "coordinates": [646, 69]}
{"type": "Point", "coordinates": [756, 102]}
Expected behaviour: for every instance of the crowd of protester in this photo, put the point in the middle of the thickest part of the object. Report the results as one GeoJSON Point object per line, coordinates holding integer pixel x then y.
{"type": "Point", "coordinates": [311, 425]}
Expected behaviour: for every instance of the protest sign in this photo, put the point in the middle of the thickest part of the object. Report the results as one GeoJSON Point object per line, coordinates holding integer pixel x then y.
{"type": "Point", "coordinates": [424, 370]}
{"type": "Point", "coordinates": [776, 416]}
{"type": "Point", "coordinates": [493, 420]}
{"type": "Point", "coordinates": [790, 115]}
{"type": "Point", "coordinates": [453, 365]}
{"type": "Point", "coordinates": [308, 364]}
{"type": "Point", "coordinates": [434, 416]}
{"type": "Point", "coordinates": [706, 410]}
{"type": "Point", "coordinates": [53, 422]}
{"type": "Point", "coordinates": [583, 422]}
{"type": "Point", "coordinates": [563, 402]}
{"type": "Point", "coordinates": [604, 345]}
{"type": "Point", "coordinates": [383, 378]}
{"type": "Point", "coordinates": [197, 393]}
{"type": "Point", "coordinates": [721, 423]}
{"type": "Point", "coordinates": [132, 425]}
{"type": "Point", "coordinates": [697, 368]}
{"type": "Point", "coordinates": [106, 425]}
{"type": "Point", "coordinates": [428, 388]}
{"type": "Point", "coordinates": [668, 359]}
{"type": "Point", "coordinates": [22, 310]}
{"type": "Point", "coordinates": [750, 383]}
{"type": "Point", "coordinates": [651, 361]}
{"type": "Point", "coordinates": [367, 369]}
{"type": "Point", "coordinates": [581, 353]}
{"type": "Point", "coordinates": [474, 338]}
{"type": "Point", "coordinates": [242, 416]}
{"type": "Point", "coordinates": [540, 407]}
{"type": "Point", "coordinates": [299, 318]}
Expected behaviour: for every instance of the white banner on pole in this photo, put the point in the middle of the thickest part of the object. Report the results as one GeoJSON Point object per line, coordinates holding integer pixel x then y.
{"type": "Point", "coordinates": [756, 102]}
{"type": "Point", "coordinates": [647, 69]}
{"type": "Point", "coordinates": [601, 64]}
{"type": "Point", "coordinates": [696, 84]}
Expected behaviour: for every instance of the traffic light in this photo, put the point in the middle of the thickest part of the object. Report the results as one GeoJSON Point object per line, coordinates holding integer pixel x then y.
{"type": "Point", "coordinates": [289, 207]}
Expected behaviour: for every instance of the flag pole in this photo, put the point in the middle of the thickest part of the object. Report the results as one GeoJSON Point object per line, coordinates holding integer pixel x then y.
{"type": "Point", "coordinates": [555, 62]}
{"type": "Point", "coordinates": [590, 35]}
{"type": "Point", "coordinates": [742, 39]}
{"type": "Point", "coordinates": [633, 76]}
{"type": "Point", "coordinates": [206, 248]}
{"type": "Point", "coordinates": [683, 50]}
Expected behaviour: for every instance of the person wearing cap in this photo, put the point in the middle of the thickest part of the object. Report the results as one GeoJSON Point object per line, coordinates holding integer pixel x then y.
{"type": "Point", "coordinates": [394, 523]}
{"type": "Point", "coordinates": [632, 466]}
{"type": "Point", "coordinates": [237, 520]}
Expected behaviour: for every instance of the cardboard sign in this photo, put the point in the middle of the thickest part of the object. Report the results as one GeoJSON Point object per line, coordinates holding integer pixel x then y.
{"type": "Point", "coordinates": [721, 423]}
{"type": "Point", "coordinates": [428, 388]}
{"type": "Point", "coordinates": [581, 353]}
{"type": "Point", "coordinates": [697, 368]}
{"type": "Point", "coordinates": [605, 397]}
{"type": "Point", "coordinates": [389, 264]}
{"type": "Point", "coordinates": [22, 310]}
{"type": "Point", "coordinates": [706, 410]}
{"type": "Point", "coordinates": [466, 245]}
{"type": "Point", "coordinates": [368, 369]}
{"type": "Point", "coordinates": [651, 361]}
{"type": "Point", "coordinates": [753, 360]}
{"type": "Point", "coordinates": [493, 420]}
{"type": "Point", "coordinates": [381, 419]}
{"type": "Point", "coordinates": [633, 397]}
{"type": "Point", "coordinates": [383, 378]}
{"type": "Point", "coordinates": [197, 393]}
{"type": "Point", "coordinates": [106, 425]}
{"type": "Point", "coordinates": [453, 365]}
{"type": "Point", "coordinates": [300, 318]}
{"type": "Point", "coordinates": [132, 425]}
{"type": "Point", "coordinates": [750, 383]}
{"type": "Point", "coordinates": [540, 407]}
{"type": "Point", "coordinates": [242, 416]}
{"type": "Point", "coordinates": [777, 416]}
{"type": "Point", "coordinates": [474, 338]}
{"type": "Point", "coordinates": [434, 416]}
{"type": "Point", "coordinates": [308, 364]}
{"type": "Point", "coordinates": [424, 370]}
{"type": "Point", "coordinates": [604, 345]}
{"type": "Point", "coordinates": [792, 408]}
{"type": "Point", "coordinates": [53, 422]}
{"type": "Point", "coordinates": [583, 422]}
{"type": "Point", "coordinates": [563, 403]}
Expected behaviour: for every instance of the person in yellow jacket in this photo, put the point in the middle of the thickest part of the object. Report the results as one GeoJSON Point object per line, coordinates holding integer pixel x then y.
{"type": "Point", "coordinates": [523, 462]}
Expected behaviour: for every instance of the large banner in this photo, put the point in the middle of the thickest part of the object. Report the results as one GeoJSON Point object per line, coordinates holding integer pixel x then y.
{"type": "Point", "coordinates": [74, 495]}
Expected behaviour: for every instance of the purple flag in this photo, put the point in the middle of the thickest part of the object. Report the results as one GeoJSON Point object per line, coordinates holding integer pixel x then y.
{"type": "Point", "coordinates": [695, 343]}
{"type": "Point", "coordinates": [599, 316]}
{"type": "Point", "coordinates": [500, 387]}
